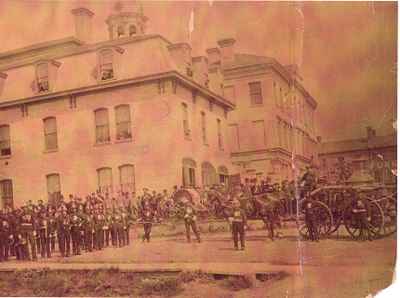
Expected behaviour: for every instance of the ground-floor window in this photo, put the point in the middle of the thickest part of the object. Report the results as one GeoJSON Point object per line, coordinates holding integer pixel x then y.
{"type": "Point", "coordinates": [127, 178]}
{"type": "Point", "coordinates": [188, 172]}
{"type": "Point", "coordinates": [6, 193]}
{"type": "Point", "coordinates": [223, 175]}
{"type": "Point", "coordinates": [209, 174]}
{"type": "Point", "coordinates": [53, 188]}
{"type": "Point", "coordinates": [105, 182]}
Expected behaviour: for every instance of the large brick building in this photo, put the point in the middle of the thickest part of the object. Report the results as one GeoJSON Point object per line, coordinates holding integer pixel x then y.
{"type": "Point", "coordinates": [131, 112]}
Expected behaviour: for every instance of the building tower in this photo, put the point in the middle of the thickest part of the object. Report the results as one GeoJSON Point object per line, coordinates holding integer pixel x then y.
{"type": "Point", "coordinates": [127, 21]}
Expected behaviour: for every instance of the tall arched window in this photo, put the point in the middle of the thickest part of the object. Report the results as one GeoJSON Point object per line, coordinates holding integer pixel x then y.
{"type": "Point", "coordinates": [50, 133]}
{"type": "Point", "coordinates": [188, 172]}
{"type": "Point", "coordinates": [123, 122]}
{"type": "Point", "coordinates": [127, 178]}
{"type": "Point", "coordinates": [102, 126]}
{"type": "Point", "coordinates": [105, 181]}
{"type": "Point", "coordinates": [53, 187]}
{"type": "Point", "coordinates": [209, 174]}
{"type": "Point", "coordinates": [106, 64]}
{"type": "Point", "coordinates": [5, 144]}
{"type": "Point", "coordinates": [120, 31]}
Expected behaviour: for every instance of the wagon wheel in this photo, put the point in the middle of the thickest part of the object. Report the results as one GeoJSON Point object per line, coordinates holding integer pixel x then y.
{"type": "Point", "coordinates": [324, 216]}
{"type": "Point", "coordinates": [375, 222]}
{"type": "Point", "coordinates": [389, 208]}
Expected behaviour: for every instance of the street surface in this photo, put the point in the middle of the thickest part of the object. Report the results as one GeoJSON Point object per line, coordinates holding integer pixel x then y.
{"type": "Point", "coordinates": [334, 267]}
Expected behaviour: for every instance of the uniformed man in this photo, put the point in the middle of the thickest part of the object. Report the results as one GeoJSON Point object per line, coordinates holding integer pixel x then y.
{"type": "Point", "coordinates": [126, 223]}
{"type": "Point", "coordinates": [28, 233]}
{"type": "Point", "coordinates": [239, 221]}
{"type": "Point", "coordinates": [76, 224]}
{"type": "Point", "coordinates": [147, 218]}
{"type": "Point", "coordinates": [311, 221]}
{"type": "Point", "coordinates": [89, 231]}
{"type": "Point", "coordinates": [64, 234]}
{"type": "Point", "coordinates": [108, 227]}
{"type": "Point", "coordinates": [190, 219]}
{"type": "Point", "coordinates": [361, 216]}
{"type": "Point", "coordinates": [99, 230]}
{"type": "Point", "coordinates": [43, 234]}
{"type": "Point", "coordinates": [5, 233]}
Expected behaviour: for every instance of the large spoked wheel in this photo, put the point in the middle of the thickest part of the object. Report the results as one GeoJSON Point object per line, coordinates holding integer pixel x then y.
{"type": "Point", "coordinates": [371, 226]}
{"type": "Point", "coordinates": [324, 219]}
{"type": "Point", "coordinates": [389, 208]}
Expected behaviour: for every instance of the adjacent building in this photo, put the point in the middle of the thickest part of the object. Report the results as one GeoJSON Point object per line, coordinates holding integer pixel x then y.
{"type": "Point", "coordinates": [272, 130]}
{"type": "Point", "coordinates": [375, 156]}
{"type": "Point", "coordinates": [130, 112]}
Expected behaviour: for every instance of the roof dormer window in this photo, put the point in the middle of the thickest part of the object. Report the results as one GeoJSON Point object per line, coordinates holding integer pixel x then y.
{"type": "Point", "coordinates": [106, 65]}
{"type": "Point", "coordinates": [132, 30]}
{"type": "Point", "coordinates": [120, 31]}
{"type": "Point", "coordinates": [42, 77]}
{"type": "Point", "coordinates": [45, 76]}
{"type": "Point", "coordinates": [3, 77]}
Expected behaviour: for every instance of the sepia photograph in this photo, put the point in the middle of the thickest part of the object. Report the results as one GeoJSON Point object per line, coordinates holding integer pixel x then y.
{"type": "Point", "coordinates": [219, 149]}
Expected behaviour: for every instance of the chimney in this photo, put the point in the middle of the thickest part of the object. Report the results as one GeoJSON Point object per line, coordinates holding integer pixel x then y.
{"type": "Point", "coordinates": [213, 55]}
{"type": "Point", "coordinates": [200, 70]}
{"type": "Point", "coordinates": [370, 132]}
{"type": "Point", "coordinates": [181, 54]}
{"type": "Point", "coordinates": [83, 23]}
{"type": "Point", "coordinates": [227, 46]}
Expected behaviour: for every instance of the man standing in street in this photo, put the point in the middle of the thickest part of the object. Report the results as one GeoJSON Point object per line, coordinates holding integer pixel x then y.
{"type": "Point", "coordinates": [190, 218]}
{"type": "Point", "coordinates": [239, 221]}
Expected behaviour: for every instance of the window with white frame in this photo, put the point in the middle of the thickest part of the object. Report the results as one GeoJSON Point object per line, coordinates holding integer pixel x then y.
{"type": "Point", "coordinates": [102, 126]}
{"type": "Point", "coordinates": [106, 65]}
{"type": "Point", "coordinates": [123, 122]}
{"type": "Point", "coordinates": [5, 144]}
{"type": "Point", "coordinates": [105, 181]}
{"type": "Point", "coordinates": [50, 133]}
{"type": "Point", "coordinates": [127, 178]}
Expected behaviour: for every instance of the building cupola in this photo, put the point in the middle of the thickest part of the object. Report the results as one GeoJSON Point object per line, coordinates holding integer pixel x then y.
{"type": "Point", "coordinates": [127, 21]}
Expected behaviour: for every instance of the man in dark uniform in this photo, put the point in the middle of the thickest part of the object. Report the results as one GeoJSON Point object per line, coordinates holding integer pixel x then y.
{"type": "Point", "coordinates": [99, 230]}
{"type": "Point", "coordinates": [76, 224]}
{"type": "Point", "coordinates": [5, 233]}
{"type": "Point", "coordinates": [108, 227]}
{"type": "Point", "coordinates": [239, 221]}
{"type": "Point", "coordinates": [28, 232]}
{"type": "Point", "coordinates": [64, 234]}
{"type": "Point", "coordinates": [311, 221]}
{"type": "Point", "coordinates": [43, 234]}
{"type": "Point", "coordinates": [361, 216]}
{"type": "Point", "coordinates": [190, 218]}
{"type": "Point", "coordinates": [89, 231]}
{"type": "Point", "coordinates": [147, 221]}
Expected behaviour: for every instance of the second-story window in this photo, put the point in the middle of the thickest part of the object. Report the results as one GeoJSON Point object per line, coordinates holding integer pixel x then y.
{"type": "Point", "coordinates": [220, 140]}
{"type": "Point", "coordinates": [102, 126]}
{"type": "Point", "coordinates": [5, 144]}
{"type": "Point", "coordinates": [50, 133]}
{"type": "Point", "coordinates": [123, 122]}
{"type": "Point", "coordinates": [106, 65]}
{"type": "Point", "coordinates": [42, 77]}
{"type": "Point", "coordinates": [204, 128]}
{"type": "Point", "coordinates": [186, 127]}
{"type": "Point", "coordinates": [255, 93]}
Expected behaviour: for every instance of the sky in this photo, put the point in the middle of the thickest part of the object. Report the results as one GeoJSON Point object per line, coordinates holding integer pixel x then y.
{"type": "Point", "coordinates": [348, 58]}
